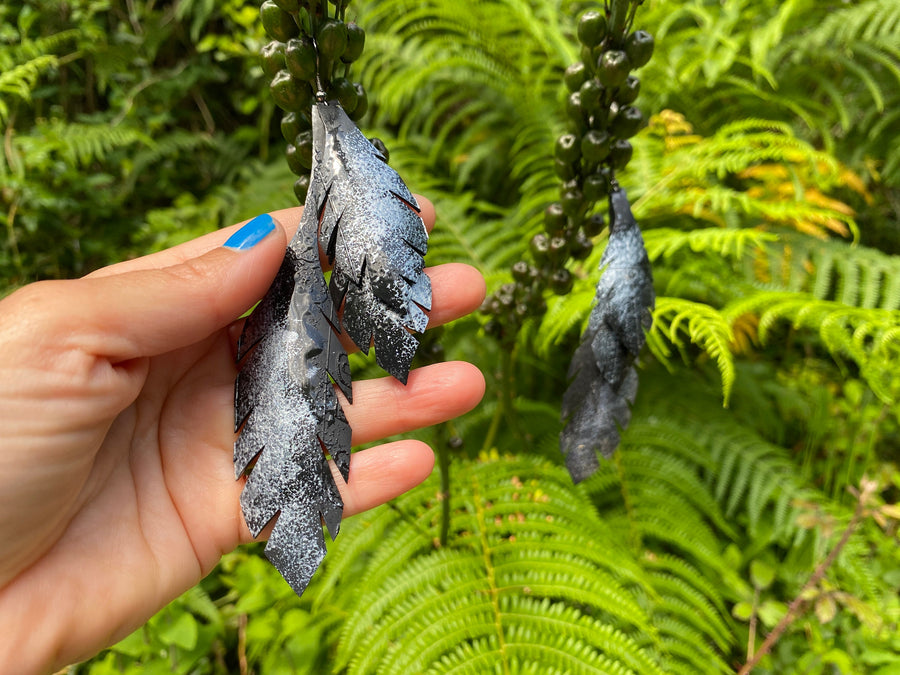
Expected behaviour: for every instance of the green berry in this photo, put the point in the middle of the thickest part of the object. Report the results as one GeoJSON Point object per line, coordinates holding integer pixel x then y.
{"type": "Point", "coordinates": [571, 198]}
{"type": "Point", "coordinates": [628, 91]}
{"type": "Point", "coordinates": [291, 125]}
{"type": "Point", "coordinates": [301, 187]}
{"type": "Point", "coordinates": [595, 146]}
{"type": "Point", "coordinates": [332, 39]}
{"type": "Point", "coordinates": [565, 170]}
{"type": "Point", "coordinates": [593, 225]}
{"type": "Point", "coordinates": [626, 123]}
{"type": "Point", "coordinates": [555, 219]}
{"type": "Point", "coordinates": [356, 40]}
{"type": "Point", "coordinates": [612, 68]}
{"type": "Point", "coordinates": [591, 96]}
{"type": "Point", "coordinates": [304, 144]}
{"type": "Point", "coordinates": [620, 154]}
{"type": "Point", "coordinates": [278, 23]}
{"type": "Point", "coordinates": [574, 110]}
{"type": "Point", "coordinates": [639, 47]}
{"type": "Point", "coordinates": [558, 248]}
{"type": "Point", "coordinates": [540, 247]}
{"type": "Point", "coordinates": [344, 91]}
{"type": "Point", "coordinates": [381, 147]}
{"type": "Point", "coordinates": [567, 148]}
{"type": "Point", "coordinates": [294, 161]}
{"type": "Point", "coordinates": [581, 247]}
{"type": "Point", "coordinates": [362, 103]}
{"type": "Point", "coordinates": [520, 271]}
{"type": "Point", "coordinates": [300, 57]}
{"type": "Point", "coordinates": [596, 187]}
{"type": "Point", "coordinates": [592, 28]}
{"type": "Point", "coordinates": [561, 282]}
{"type": "Point", "coordinates": [291, 94]}
{"type": "Point", "coordinates": [575, 76]}
{"type": "Point", "coordinates": [273, 58]}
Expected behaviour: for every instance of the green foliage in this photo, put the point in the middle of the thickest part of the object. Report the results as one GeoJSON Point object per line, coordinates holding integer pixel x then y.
{"type": "Point", "coordinates": [108, 116]}
{"type": "Point", "coordinates": [532, 577]}
{"type": "Point", "coordinates": [829, 69]}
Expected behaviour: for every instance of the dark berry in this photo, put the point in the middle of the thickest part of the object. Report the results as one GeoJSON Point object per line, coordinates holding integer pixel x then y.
{"type": "Point", "coordinates": [620, 154]}
{"type": "Point", "coordinates": [273, 58]}
{"type": "Point", "coordinates": [554, 219]}
{"type": "Point", "coordinates": [626, 123]}
{"type": "Point", "coordinates": [639, 47]}
{"type": "Point", "coordinates": [561, 282]}
{"type": "Point", "coordinates": [301, 187]}
{"type": "Point", "coordinates": [575, 76]}
{"type": "Point", "coordinates": [593, 225]}
{"type": "Point", "coordinates": [613, 68]}
{"type": "Point", "coordinates": [277, 22]}
{"type": "Point", "coordinates": [592, 28]}
{"type": "Point", "coordinates": [595, 146]}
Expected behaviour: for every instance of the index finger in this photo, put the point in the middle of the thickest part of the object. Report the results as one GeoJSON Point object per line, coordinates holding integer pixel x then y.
{"type": "Point", "coordinates": [289, 217]}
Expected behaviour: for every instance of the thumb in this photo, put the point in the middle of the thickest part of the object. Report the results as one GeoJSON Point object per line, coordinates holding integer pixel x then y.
{"type": "Point", "coordinates": [153, 311]}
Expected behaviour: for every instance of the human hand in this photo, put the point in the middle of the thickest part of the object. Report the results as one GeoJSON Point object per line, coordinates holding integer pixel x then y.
{"type": "Point", "coordinates": [117, 491]}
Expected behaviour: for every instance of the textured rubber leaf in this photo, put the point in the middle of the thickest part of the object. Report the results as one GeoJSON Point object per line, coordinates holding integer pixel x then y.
{"type": "Point", "coordinates": [373, 235]}
{"type": "Point", "coordinates": [604, 382]}
{"type": "Point", "coordinates": [286, 410]}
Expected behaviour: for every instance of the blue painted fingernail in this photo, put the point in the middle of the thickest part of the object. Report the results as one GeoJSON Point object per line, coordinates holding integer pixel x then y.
{"type": "Point", "coordinates": [251, 234]}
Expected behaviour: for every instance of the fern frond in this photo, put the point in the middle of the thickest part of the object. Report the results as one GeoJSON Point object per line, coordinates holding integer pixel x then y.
{"type": "Point", "coordinates": [531, 576]}
{"type": "Point", "coordinates": [83, 144]}
{"type": "Point", "coordinates": [704, 326]}
{"type": "Point", "coordinates": [833, 270]}
{"type": "Point", "coordinates": [20, 79]}
{"type": "Point", "coordinates": [665, 242]}
{"type": "Point", "coordinates": [866, 336]}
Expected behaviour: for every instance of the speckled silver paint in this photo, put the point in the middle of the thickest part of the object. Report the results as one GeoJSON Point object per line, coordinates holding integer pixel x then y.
{"type": "Point", "coordinates": [372, 233]}
{"type": "Point", "coordinates": [597, 403]}
{"type": "Point", "coordinates": [287, 414]}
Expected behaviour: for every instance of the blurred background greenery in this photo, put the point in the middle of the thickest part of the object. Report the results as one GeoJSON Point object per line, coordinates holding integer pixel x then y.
{"type": "Point", "coordinates": [767, 182]}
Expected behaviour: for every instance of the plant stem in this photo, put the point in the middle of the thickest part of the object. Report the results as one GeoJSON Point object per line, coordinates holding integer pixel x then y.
{"type": "Point", "coordinates": [242, 644]}
{"type": "Point", "coordinates": [751, 640]}
{"type": "Point", "coordinates": [443, 433]}
{"type": "Point", "coordinates": [794, 608]}
{"type": "Point", "coordinates": [618, 19]}
{"type": "Point", "coordinates": [505, 397]}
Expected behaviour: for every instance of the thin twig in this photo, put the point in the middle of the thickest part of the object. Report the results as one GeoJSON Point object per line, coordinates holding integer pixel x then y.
{"type": "Point", "coordinates": [794, 608]}
{"type": "Point", "coordinates": [242, 644]}
{"type": "Point", "coordinates": [751, 640]}
{"type": "Point", "coordinates": [204, 111]}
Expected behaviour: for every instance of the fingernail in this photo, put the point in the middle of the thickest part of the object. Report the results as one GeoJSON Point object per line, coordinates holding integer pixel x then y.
{"type": "Point", "coordinates": [251, 234]}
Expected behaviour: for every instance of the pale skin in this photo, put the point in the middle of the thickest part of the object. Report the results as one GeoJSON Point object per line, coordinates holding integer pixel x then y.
{"type": "Point", "coordinates": [117, 491]}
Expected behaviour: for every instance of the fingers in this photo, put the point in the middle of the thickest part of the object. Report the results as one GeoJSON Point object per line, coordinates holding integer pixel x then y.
{"type": "Point", "coordinates": [433, 394]}
{"type": "Point", "coordinates": [176, 255]}
{"type": "Point", "coordinates": [456, 290]}
{"type": "Point", "coordinates": [145, 312]}
{"type": "Point", "coordinates": [380, 474]}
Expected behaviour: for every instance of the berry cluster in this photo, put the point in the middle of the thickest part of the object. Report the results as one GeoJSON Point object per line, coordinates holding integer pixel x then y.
{"type": "Point", "coordinates": [601, 120]}
{"type": "Point", "coordinates": [310, 52]}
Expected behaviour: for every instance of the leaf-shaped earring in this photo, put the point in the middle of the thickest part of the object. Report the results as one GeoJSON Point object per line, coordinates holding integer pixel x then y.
{"type": "Point", "coordinates": [376, 240]}
{"type": "Point", "coordinates": [286, 410]}
{"type": "Point", "coordinates": [597, 403]}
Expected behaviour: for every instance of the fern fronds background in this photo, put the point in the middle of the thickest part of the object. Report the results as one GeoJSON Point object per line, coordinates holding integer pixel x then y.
{"type": "Point", "coordinates": [530, 559]}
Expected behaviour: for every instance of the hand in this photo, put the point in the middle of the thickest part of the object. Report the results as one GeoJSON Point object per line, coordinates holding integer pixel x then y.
{"type": "Point", "coordinates": [117, 490]}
